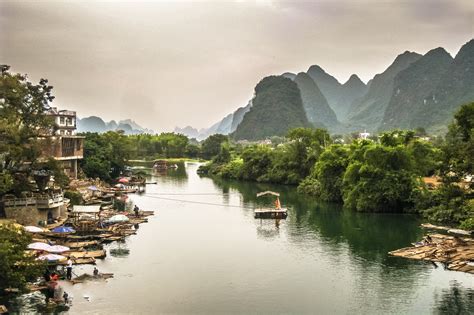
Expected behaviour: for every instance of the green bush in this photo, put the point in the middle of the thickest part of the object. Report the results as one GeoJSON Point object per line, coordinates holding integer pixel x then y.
{"type": "Point", "coordinates": [74, 196]}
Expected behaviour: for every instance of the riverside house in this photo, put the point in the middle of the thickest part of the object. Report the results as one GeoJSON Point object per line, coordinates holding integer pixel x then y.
{"type": "Point", "coordinates": [48, 203]}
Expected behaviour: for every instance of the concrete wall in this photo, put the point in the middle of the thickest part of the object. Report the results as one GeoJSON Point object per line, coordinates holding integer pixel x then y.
{"type": "Point", "coordinates": [32, 215]}
{"type": "Point", "coordinates": [24, 215]}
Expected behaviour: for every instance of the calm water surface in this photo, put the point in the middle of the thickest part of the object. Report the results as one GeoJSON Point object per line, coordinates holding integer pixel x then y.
{"type": "Point", "coordinates": [203, 252]}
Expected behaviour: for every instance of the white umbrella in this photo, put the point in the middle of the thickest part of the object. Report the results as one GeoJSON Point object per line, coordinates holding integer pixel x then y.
{"type": "Point", "coordinates": [51, 257]}
{"type": "Point", "coordinates": [39, 246]}
{"type": "Point", "coordinates": [33, 229]}
{"type": "Point", "coordinates": [118, 218]}
{"type": "Point", "coordinates": [58, 249]}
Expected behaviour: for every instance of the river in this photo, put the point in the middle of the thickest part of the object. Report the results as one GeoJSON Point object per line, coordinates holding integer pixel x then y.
{"type": "Point", "coordinates": [203, 252]}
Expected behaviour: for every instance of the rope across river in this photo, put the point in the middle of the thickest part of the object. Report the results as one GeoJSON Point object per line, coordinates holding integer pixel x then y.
{"type": "Point", "coordinates": [195, 202]}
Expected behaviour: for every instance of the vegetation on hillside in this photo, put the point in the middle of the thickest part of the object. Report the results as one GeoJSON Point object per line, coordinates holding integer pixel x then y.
{"type": "Point", "coordinates": [381, 175]}
{"type": "Point", "coordinates": [277, 107]}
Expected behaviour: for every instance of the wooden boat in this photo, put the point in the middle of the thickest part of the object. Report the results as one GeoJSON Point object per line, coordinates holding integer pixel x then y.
{"type": "Point", "coordinates": [430, 226]}
{"type": "Point", "coordinates": [81, 244]}
{"type": "Point", "coordinates": [84, 277]}
{"type": "Point", "coordinates": [267, 213]}
{"type": "Point", "coordinates": [97, 254]}
{"type": "Point", "coordinates": [113, 239]}
{"type": "Point", "coordinates": [80, 261]}
{"type": "Point", "coordinates": [456, 253]}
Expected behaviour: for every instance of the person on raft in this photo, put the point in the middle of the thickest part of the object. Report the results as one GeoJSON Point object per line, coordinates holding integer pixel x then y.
{"type": "Point", "coordinates": [69, 269]}
{"type": "Point", "coordinates": [136, 210]}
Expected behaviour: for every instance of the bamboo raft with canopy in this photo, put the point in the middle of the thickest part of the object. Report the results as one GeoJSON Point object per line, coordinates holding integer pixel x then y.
{"type": "Point", "coordinates": [454, 252]}
{"type": "Point", "coordinates": [271, 213]}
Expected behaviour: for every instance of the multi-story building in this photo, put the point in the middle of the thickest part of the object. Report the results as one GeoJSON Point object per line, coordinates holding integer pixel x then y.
{"type": "Point", "coordinates": [64, 145]}
{"type": "Point", "coordinates": [49, 205]}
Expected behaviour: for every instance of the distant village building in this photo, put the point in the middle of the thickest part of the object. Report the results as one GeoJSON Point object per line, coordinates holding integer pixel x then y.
{"type": "Point", "coordinates": [364, 135]}
{"type": "Point", "coordinates": [64, 145]}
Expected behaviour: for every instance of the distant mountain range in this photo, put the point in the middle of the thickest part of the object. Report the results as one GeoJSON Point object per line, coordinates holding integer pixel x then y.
{"type": "Point", "coordinates": [96, 124]}
{"type": "Point", "coordinates": [414, 91]}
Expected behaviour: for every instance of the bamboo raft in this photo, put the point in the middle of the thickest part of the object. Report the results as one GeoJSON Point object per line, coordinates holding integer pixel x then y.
{"type": "Point", "coordinates": [81, 244]}
{"type": "Point", "coordinates": [270, 213]}
{"type": "Point", "coordinates": [97, 254]}
{"type": "Point", "coordinates": [85, 277]}
{"type": "Point", "coordinates": [430, 226]}
{"type": "Point", "coordinates": [455, 253]}
{"type": "Point", "coordinates": [79, 261]}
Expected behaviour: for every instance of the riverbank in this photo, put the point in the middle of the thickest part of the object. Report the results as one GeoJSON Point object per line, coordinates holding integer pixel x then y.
{"type": "Point", "coordinates": [79, 240]}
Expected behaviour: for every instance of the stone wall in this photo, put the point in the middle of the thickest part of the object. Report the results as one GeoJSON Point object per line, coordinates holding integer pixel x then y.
{"type": "Point", "coordinates": [33, 216]}
{"type": "Point", "coordinates": [24, 215]}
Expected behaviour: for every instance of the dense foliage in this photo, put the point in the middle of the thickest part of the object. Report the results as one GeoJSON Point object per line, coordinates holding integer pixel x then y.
{"type": "Point", "coordinates": [23, 124]}
{"type": "Point", "coordinates": [106, 154]}
{"type": "Point", "coordinates": [453, 201]}
{"type": "Point", "coordinates": [383, 174]}
{"type": "Point", "coordinates": [16, 267]}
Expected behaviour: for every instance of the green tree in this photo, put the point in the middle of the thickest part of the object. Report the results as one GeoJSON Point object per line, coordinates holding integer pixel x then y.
{"type": "Point", "coordinates": [212, 146]}
{"type": "Point", "coordinates": [452, 203]}
{"type": "Point", "coordinates": [23, 122]}
{"type": "Point", "coordinates": [380, 180]}
{"type": "Point", "coordinates": [16, 267]}
{"type": "Point", "coordinates": [326, 180]}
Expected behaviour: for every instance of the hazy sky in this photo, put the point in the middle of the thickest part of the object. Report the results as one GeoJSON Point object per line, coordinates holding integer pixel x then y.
{"type": "Point", "coordinates": [177, 63]}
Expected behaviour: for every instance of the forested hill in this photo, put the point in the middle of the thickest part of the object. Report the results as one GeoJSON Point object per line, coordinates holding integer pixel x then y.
{"type": "Point", "coordinates": [414, 91]}
{"type": "Point", "coordinates": [368, 111]}
{"type": "Point", "coordinates": [408, 107]}
{"type": "Point", "coordinates": [97, 124]}
{"type": "Point", "coordinates": [277, 107]}
{"type": "Point", "coordinates": [315, 104]}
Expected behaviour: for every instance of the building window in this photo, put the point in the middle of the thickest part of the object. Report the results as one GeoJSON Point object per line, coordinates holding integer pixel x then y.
{"type": "Point", "coordinates": [61, 120]}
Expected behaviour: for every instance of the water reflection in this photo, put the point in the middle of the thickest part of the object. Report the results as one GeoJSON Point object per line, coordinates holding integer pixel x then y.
{"type": "Point", "coordinates": [359, 241]}
{"type": "Point", "coordinates": [455, 300]}
{"type": "Point", "coordinates": [268, 229]}
{"type": "Point", "coordinates": [203, 252]}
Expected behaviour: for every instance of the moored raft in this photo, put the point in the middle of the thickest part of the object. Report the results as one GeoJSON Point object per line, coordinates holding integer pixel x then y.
{"type": "Point", "coordinates": [268, 213]}
{"type": "Point", "coordinates": [97, 254]}
{"type": "Point", "coordinates": [454, 252]}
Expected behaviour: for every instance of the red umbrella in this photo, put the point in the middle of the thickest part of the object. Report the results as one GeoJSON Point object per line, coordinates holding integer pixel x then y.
{"type": "Point", "coordinates": [123, 180]}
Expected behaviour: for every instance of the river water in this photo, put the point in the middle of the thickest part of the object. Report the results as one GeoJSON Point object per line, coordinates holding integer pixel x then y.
{"type": "Point", "coordinates": [203, 253]}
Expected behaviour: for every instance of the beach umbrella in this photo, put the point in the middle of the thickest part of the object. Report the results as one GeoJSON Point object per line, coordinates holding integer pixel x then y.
{"type": "Point", "coordinates": [123, 180]}
{"type": "Point", "coordinates": [39, 246]}
{"type": "Point", "coordinates": [63, 229]}
{"type": "Point", "coordinates": [58, 249]}
{"type": "Point", "coordinates": [52, 257]}
{"type": "Point", "coordinates": [33, 229]}
{"type": "Point", "coordinates": [118, 218]}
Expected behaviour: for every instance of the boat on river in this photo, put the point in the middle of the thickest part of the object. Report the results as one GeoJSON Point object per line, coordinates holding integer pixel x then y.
{"type": "Point", "coordinates": [271, 213]}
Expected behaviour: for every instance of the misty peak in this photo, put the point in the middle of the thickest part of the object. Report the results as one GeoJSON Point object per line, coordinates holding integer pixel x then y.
{"type": "Point", "coordinates": [406, 56]}
{"type": "Point", "coordinates": [289, 75]}
{"type": "Point", "coordinates": [467, 50]}
{"type": "Point", "coordinates": [354, 80]}
{"type": "Point", "coordinates": [439, 52]}
{"type": "Point", "coordinates": [316, 69]}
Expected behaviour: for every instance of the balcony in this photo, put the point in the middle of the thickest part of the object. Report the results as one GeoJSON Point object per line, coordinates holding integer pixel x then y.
{"type": "Point", "coordinates": [46, 202]}
{"type": "Point", "coordinates": [39, 201]}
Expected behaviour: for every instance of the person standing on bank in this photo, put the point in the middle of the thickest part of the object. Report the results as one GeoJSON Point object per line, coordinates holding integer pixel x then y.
{"type": "Point", "coordinates": [69, 269]}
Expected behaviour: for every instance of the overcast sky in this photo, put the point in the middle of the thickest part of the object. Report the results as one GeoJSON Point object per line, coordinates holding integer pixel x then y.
{"type": "Point", "coordinates": [177, 63]}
